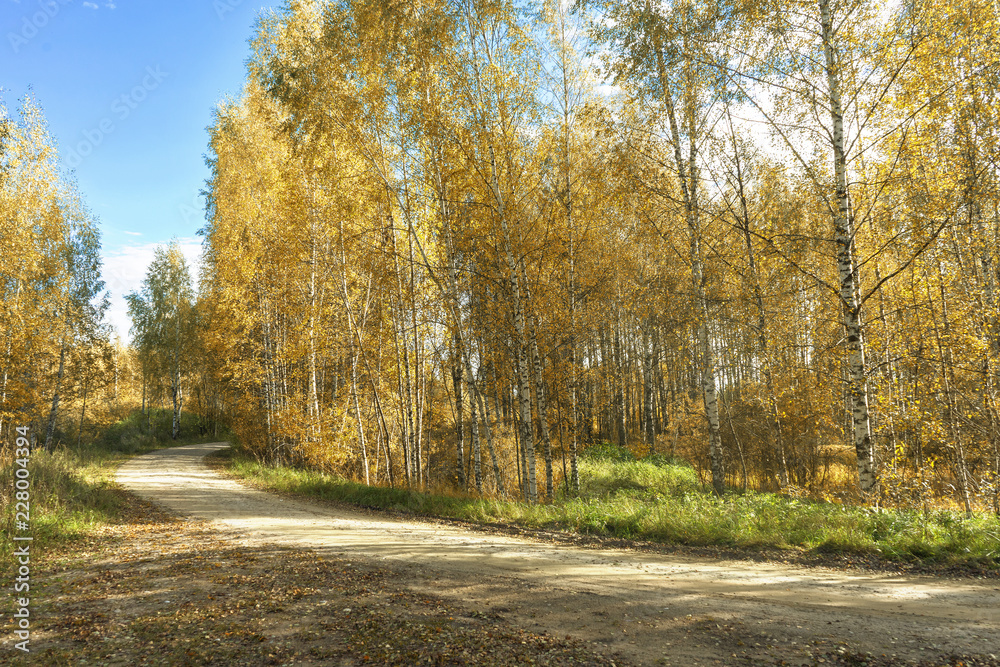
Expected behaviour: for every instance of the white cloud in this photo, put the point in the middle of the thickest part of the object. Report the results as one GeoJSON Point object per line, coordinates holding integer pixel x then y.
{"type": "Point", "coordinates": [134, 233]}
{"type": "Point", "coordinates": [125, 269]}
{"type": "Point", "coordinates": [90, 5]}
{"type": "Point", "coordinates": [111, 5]}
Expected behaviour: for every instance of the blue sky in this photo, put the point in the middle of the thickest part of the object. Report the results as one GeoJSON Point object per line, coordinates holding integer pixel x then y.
{"type": "Point", "coordinates": [128, 88]}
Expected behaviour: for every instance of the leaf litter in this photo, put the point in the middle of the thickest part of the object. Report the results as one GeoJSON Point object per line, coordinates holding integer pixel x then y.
{"type": "Point", "coordinates": [155, 590]}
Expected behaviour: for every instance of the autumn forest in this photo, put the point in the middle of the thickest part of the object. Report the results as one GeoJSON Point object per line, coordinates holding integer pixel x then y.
{"type": "Point", "coordinates": [453, 244]}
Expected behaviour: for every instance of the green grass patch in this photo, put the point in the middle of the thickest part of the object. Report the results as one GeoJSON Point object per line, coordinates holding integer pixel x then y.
{"type": "Point", "coordinates": [70, 493]}
{"type": "Point", "coordinates": [72, 489]}
{"type": "Point", "coordinates": [661, 500]}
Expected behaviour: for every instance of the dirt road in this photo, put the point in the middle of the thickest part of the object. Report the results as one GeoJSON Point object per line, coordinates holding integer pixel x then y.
{"type": "Point", "coordinates": [655, 609]}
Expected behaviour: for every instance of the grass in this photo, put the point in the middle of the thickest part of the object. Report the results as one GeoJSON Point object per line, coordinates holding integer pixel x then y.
{"type": "Point", "coordinates": [72, 490]}
{"type": "Point", "coordinates": [661, 500]}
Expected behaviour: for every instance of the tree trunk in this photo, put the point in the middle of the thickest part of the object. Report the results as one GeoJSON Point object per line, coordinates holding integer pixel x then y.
{"type": "Point", "coordinates": [456, 378]}
{"type": "Point", "coordinates": [620, 412]}
{"type": "Point", "coordinates": [50, 429]}
{"type": "Point", "coordinates": [543, 420]}
{"type": "Point", "coordinates": [607, 364]}
{"type": "Point", "coordinates": [763, 347]}
{"type": "Point", "coordinates": [844, 238]}
{"type": "Point", "coordinates": [83, 412]}
{"type": "Point", "coordinates": [403, 358]}
{"type": "Point", "coordinates": [313, 397]}
{"type": "Point", "coordinates": [525, 429]}
{"type": "Point", "coordinates": [647, 391]}
{"type": "Point", "coordinates": [477, 467]}
{"type": "Point", "coordinates": [484, 407]}
{"type": "Point", "coordinates": [570, 224]}
{"type": "Point", "coordinates": [521, 339]}
{"type": "Point", "coordinates": [948, 382]}
{"type": "Point", "coordinates": [357, 414]}
{"type": "Point", "coordinates": [687, 175]}
{"type": "Point", "coordinates": [540, 402]}
{"type": "Point", "coordinates": [419, 377]}
{"type": "Point", "coordinates": [574, 377]}
{"type": "Point", "coordinates": [175, 394]}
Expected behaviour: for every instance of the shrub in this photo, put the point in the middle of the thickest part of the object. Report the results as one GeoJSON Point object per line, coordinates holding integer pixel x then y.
{"type": "Point", "coordinates": [605, 451]}
{"type": "Point", "coordinates": [642, 479]}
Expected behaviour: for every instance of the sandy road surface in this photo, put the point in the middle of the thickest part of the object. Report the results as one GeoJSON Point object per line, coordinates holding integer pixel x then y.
{"type": "Point", "coordinates": [655, 609]}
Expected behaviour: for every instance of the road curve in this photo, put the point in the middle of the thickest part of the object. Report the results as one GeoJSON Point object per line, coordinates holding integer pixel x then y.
{"type": "Point", "coordinates": [656, 609]}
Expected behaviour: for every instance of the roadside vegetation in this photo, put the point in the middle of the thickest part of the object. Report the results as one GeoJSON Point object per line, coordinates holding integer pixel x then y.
{"type": "Point", "coordinates": [659, 499]}
{"type": "Point", "coordinates": [73, 493]}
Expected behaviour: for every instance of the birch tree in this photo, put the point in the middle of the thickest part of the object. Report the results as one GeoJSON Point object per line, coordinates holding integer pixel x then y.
{"type": "Point", "coordinates": [659, 51]}
{"type": "Point", "coordinates": [163, 322]}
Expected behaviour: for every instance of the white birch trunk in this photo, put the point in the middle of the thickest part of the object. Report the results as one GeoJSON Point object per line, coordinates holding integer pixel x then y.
{"type": "Point", "coordinates": [687, 169]}
{"type": "Point", "coordinates": [524, 381]}
{"type": "Point", "coordinates": [476, 450]}
{"type": "Point", "coordinates": [54, 411]}
{"type": "Point", "coordinates": [844, 238]}
{"type": "Point", "coordinates": [456, 378]}
{"type": "Point", "coordinates": [542, 411]}
{"type": "Point", "coordinates": [762, 341]}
